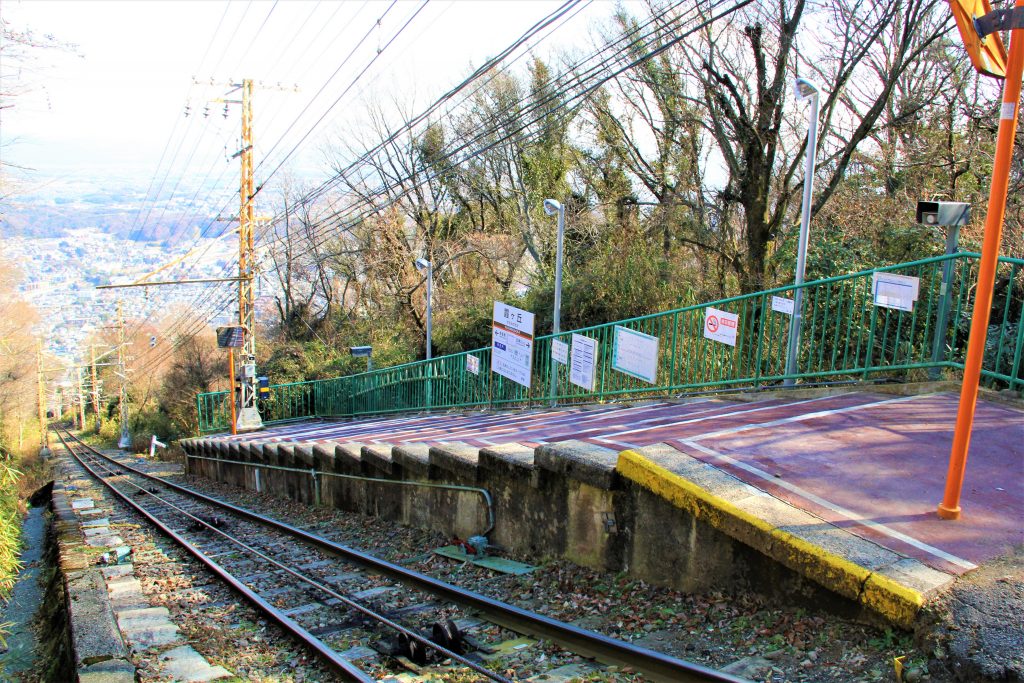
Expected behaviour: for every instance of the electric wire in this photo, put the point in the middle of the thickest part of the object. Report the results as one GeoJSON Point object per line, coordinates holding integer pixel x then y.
{"type": "Point", "coordinates": [483, 69]}
{"type": "Point", "coordinates": [560, 95]}
{"type": "Point", "coordinates": [403, 27]}
{"type": "Point", "coordinates": [600, 81]}
{"type": "Point", "coordinates": [344, 92]}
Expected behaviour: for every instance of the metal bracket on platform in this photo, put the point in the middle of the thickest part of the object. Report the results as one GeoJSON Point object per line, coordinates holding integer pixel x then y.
{"type": "Point", "coordinates": [999, 20]}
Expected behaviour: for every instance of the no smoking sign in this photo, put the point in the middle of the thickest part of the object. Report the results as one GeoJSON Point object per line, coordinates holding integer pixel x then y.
{"type": "Point", "coordinates": [721, 326]}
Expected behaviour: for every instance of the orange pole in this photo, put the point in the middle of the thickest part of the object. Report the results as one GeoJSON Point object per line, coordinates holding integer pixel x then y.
{"type": "Point", "coordinates": [950, 506]}
{"type": "Point", "coordinates": [230, 375]}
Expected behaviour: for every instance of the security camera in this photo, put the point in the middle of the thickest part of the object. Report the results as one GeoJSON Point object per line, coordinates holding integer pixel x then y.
{"type": "Point", "coordinates": [943, 213]}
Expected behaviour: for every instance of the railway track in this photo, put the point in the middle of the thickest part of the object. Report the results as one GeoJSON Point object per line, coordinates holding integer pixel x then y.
{"type": "Point", "coordinates": [329, 596]}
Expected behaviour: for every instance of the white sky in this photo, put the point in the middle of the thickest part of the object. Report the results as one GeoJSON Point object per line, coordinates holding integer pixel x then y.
{"type": "Point", "coordinates": [110, 110]}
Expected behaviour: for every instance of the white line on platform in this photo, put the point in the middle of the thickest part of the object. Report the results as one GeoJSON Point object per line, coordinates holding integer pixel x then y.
{"type": "Point", "coordinates": [718, 416]}
{"type": "Point", "coordinates": [573, 418]}
{"type": "Point", "coordinates": [838, 509]}
{"type": "Point", "coordinates": [804, 416]}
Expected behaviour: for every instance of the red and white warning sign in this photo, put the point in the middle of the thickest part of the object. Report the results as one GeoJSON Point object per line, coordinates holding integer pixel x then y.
{"type": "Point", "coordinates": [721, 326]}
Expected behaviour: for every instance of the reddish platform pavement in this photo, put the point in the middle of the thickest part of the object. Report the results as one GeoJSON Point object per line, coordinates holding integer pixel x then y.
{"type": "Point", "coordinates": [874, 464]}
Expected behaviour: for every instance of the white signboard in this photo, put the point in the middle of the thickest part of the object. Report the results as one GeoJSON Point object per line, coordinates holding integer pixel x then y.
{"type": "Point", "coordinates": [560, 351]}
{"type": "Point", "coordinates": [635, 354]}
{"type": "Point", "coordinates": [782, 305]}
{"type": "Point", "coordinates": [583, 367]}
{"type": "Point", "coordinates": [513, 318]}
{"type": "Point", "coordinates": [721, 326]}
{"type": "Point", "coordinates": [473, 364]}
{"type": "Point", "coordinates": [512, 343]}
{"type": "Point", "coordinates": [895, 291]}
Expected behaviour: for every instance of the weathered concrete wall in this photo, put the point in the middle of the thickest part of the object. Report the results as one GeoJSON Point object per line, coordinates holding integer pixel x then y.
{"type": "Point", "coordinates": [564, 500]}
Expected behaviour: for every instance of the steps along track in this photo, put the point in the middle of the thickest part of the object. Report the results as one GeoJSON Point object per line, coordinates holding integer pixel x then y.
{"type": "Point", "coordinates": [292, 577]}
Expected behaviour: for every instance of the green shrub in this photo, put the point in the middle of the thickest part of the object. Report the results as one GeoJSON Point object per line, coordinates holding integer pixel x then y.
{"type": "Point", "coordinates": [110, 432]}
{"type": "Point", "coordinates": [10, 528]}
{"type": "Point", "coordinates": [625, 276]}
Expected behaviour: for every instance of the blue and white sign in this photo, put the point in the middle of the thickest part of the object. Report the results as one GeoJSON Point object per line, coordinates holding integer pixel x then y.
{"type": "Point", "coordinates": [895, 291]}
{"type": "Point", "coordinates": [512, 343]}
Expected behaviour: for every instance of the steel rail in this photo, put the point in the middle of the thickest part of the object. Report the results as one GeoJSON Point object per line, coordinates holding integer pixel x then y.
{"type": "Point", "coordinates": [376, 616]}
{"type": "Point", "coordinates": [654, 665]}
{"type": "Point", "coordinates": [348, 670]}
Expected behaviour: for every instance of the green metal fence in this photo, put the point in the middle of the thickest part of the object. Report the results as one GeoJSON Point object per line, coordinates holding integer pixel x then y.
{"type": "Point", "coordinates": [844, 335]}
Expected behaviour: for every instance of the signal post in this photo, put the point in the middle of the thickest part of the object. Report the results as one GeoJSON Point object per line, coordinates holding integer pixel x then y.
{"type": "Point", "coordinates": [44, 432]}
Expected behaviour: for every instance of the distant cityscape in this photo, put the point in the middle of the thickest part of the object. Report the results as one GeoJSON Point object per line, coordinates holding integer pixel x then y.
{"type": "Point", "coordinates": [60, 275]}
{"type": "Point", "coordinates": [99, 241]}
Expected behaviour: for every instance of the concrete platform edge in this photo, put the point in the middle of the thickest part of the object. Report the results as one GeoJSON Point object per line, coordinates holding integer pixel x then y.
{"type": "Point", "coordinates": [99, 650]}
{"type": "Point", "coordinates": [891, 599]}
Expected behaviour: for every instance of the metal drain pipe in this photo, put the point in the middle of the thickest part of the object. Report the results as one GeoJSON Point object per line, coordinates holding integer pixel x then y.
{"type": "Point", "coordinates": [314, 473]}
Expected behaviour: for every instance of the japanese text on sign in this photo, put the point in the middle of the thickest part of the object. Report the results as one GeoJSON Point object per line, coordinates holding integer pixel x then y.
{"type": "Point", "coordinates": [512, 343]}
{"type": "Point", "coordinates": [721, 326]}
{"type": "Point", "coordinates": [782, 305]}
{"type": "Point", "coordinates": [513, 318]}
{"type": "Point", "coordinates": [473, 364]}
{"type": "Point", "coordinates": [559, 351]}
{"type": "Point", "coordinates": [635, 354]}
{"type": "Point", "coordinates": [895, 291]}
{"type": "Point", "coordinates": [583, 365]}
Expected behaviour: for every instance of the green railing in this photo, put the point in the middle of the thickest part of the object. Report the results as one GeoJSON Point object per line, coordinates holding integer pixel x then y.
{"type": "Point", "coordinates": [286, 402]}
{"type": "Point", "coordinates": [844, 335]}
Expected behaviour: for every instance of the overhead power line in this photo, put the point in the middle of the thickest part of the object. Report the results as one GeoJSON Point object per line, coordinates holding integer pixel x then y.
{"type": "Point", "coordinates": [585, 82]}
{"type": "Point", "coordinates": [571, 90]}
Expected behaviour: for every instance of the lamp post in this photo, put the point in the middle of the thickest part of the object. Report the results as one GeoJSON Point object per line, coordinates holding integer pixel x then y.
{"type": "Point", "coordinates": [552, 207]}
{"type": "Point", "coordinates": [428, 266]}
{"type": "Point", "coordinates": [424, 264]}
{"type": "Point", "coordinates": [803, 89]}
{"type": "Point", "coordinates": [952, 215]}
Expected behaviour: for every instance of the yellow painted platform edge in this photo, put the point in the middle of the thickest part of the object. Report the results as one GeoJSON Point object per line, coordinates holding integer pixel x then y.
{"type": "Point", "coordinates": [897, 603]}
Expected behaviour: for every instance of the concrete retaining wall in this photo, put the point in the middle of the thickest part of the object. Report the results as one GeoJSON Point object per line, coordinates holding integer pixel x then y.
{"type": "Point", "coordinates": [564, 500]}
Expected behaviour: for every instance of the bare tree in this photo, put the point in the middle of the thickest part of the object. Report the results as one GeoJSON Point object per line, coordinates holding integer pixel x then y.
{"type": "Point", "coordinates": [733, 80]}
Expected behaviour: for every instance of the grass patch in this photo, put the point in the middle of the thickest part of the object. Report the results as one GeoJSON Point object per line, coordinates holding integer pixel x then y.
{"type": "Point", "coordinates": [10, 527]}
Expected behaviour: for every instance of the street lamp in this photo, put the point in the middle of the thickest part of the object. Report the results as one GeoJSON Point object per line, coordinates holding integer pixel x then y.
{"type": "Point", "coordinates": [424, 264]}
{"type": "Point", "coordinates": [552, 207]}
{"type": "Point", "coordinates": [804, 89]}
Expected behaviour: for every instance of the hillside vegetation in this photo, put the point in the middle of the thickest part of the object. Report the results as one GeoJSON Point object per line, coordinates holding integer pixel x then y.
{"type": "Point", "coordinates": [680, 166]}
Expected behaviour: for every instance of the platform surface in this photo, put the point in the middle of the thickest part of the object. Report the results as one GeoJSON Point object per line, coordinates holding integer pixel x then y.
{"type": "Point", "coordinates": [873, 464]}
